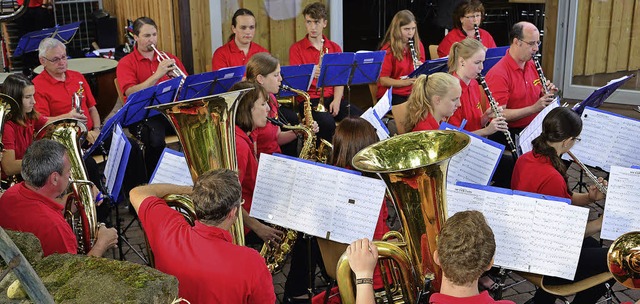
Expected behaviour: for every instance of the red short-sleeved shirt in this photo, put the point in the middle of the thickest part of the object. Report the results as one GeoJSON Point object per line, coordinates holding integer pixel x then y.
{"type": "Point", "coordinates": [208, 266]}
{"type": "Point", "coordinates": [395, 69]}
{"type": "Point", "coordinates": [515, 87]}
{"type": "Point", "coordinates": [428, 123]}
{"type": "Point", "coordinates": [25, 210]}
{"type": "Point", "coordinates": [481, 298]}
{"type": "Point", "coordinates": [32, 3]}
{"type": "Point", "coordinates": [18, 138]}
{"type": "Point", "coordinates": [134, 69]}
{"type": "Point", "coordinates": [53, 97]}
{"type": "Point", "coordinates": [229, 55]}
{"type": "Point", "coordinates": [247, 166]}
{"type": "Point", "coordinates": [535, 173]}
{"type": "Point", "coordinates": [303, 52]}
{"type": "Point", "coordinates": [457, 35]}
{"type": "Point", "coordinates": [266, 137]}
{"type": "Point", "coordinates": [470, 107]}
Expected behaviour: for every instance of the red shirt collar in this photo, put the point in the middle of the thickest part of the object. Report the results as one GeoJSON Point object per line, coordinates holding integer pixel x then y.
{"type": "Point", "coordinates": [306, 43]}
{"type": "Point", "coordinates": [46, 76]}
{"type": "Point", "coordinates": [511, 63]}
{"type": "Point", "coordinates": [35, 196]}
{"type": "Point", "coordinates": [212, 232]}
{"type": "Point", "coordinates": [138, 56]}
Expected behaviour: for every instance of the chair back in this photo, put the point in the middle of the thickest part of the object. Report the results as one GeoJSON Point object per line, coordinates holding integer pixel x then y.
{"type": "Point", "coordinates": [120, 94]}
{"type": "Point", "coordinates": [433, 51]}
{"type": "Point", "coordinates": [331, 252]}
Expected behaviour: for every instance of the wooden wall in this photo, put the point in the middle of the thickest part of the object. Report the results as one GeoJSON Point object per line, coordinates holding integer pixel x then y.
{"type": "Point", "coordinates": [275, 35]}
{"type": "Point", "coordinates": [165, 14]}
{"type": "Point", "coordinates": [607, 37]}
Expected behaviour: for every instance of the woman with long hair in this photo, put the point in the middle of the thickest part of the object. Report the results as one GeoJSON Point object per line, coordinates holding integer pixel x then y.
{"type": "Point", "coordinates": [542, 171]}
{"type": "Point", "coordinates": [465, 63]}
{"type": "Point", "coordinates": [240, 46]}
{"type": "Point", "coordinates": [434, 98]}
{"type": "Point", "coordinates": [467, 14]}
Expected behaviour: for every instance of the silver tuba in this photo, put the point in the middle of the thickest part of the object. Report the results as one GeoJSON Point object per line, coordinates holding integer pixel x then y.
{"type": "Point", "coordinates": [71, 134]}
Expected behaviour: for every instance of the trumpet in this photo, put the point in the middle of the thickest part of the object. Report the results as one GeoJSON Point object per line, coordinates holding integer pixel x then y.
{"type": "Point", "coordinates": [177, 72]}
{"type": "Point", "coordinates": [76, 100]}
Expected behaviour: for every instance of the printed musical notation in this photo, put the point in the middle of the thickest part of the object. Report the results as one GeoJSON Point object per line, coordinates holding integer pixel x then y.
{"type": "Point", "coordinates": [316, 199]}
{"type": "Point", "coordinates": [621, 211]}
{"type": "Point", "coordinates": [535, 127]}
{"type": "Point", "coordinates": [532, 234]}
{"type": "Point", "coordinates": [172, 168]}
{"type": "Point", "coordinates": [116, 163]}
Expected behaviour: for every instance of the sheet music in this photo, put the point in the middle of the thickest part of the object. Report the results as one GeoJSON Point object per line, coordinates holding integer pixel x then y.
{"type": "Point", "coordinates": [371, 116]}
{"type": "Point", "coordinates": [621, 211]}
{"type": "Point", "coordinates": [172, 168]}
{"type": "Point", "coordinates": [535, 127]}
{"type": "Point", "coordinates": [319, 200]}
{"type": "Point", "coordinates": [608, 139]}
{"type": "Point", "coordinates": [383, 106]}
{"type": "Point", "coordinates": [476, 163]}
{"type": "Point", "coordinates": [532, 234]}
{"type": "Point", "coordinates": [118, 144]}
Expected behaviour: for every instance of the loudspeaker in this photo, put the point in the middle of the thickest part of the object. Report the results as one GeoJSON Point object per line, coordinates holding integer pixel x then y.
{"type": "Point", "coordinates": [107, 32]}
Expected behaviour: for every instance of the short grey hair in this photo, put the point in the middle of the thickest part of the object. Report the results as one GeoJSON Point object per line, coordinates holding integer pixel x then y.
{"type": "Point", "coordinates": [47, 44]}
{"type": "Point", "coordinates": [42, 158]}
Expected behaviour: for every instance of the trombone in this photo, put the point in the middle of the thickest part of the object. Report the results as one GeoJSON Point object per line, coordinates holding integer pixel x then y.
{"type": "Point", "coordinates": [177, 72]}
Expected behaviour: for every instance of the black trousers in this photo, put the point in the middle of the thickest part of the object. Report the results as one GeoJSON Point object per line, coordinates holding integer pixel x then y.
{"type": "Point", "coordinates": [297, 283]}
{"type": "Point", "coordinates": [152, 132]}
{"type": "Point", "coordinates": [326, 121]}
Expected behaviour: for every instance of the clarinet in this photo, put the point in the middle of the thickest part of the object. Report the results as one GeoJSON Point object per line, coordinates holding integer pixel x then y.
{"type": "Point", "coordinates": [414, 54]}
{"type": "Point", "coordinates": [494, 108]}
{"type": "Point", "coordinates": [543, 80]}
{"type": "Point", "coordinates": [477, 30]}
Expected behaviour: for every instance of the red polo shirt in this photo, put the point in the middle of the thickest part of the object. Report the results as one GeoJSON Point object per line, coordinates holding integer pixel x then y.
{"type": "Point", "coordinates": [266, 138]}
{"type": "Point", "coordinates": [18, 138]}
{"type": "Point", "coordinates": [247, 166]}
{"type": "Point", "coordinates": [229, 55]}
{"type": "Point", "coordinates": [25, 210]}
{"type": "Point", "coordinates": [395, 69]}
{"type": "Point", "coordinates": [53, 97]}
{"type": "Point", "coordinates": [535, 173]}
{"type": "Point", "coordinates": [481, 298]}
{"type": "Point", "coordinates": [32, 3]}
{"type": "Point", "coordinates": [470, 108]}
{"type": "Point", "coordinates": [303, 52]}
{"type": "Point", "coordinates": [428, 123]}
{"type": "Point", "coordinates": [457, 35]}
{"type": "Point", "coordinates": [134, 69]}
{"type": "Point", "coordinates": [208, 266]}
{"type": "Point", "coordinates": [514, 87]}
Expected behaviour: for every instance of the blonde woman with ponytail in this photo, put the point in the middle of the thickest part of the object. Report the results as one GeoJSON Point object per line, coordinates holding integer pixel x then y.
{"type": "Point", "coordinates": [433, 99]}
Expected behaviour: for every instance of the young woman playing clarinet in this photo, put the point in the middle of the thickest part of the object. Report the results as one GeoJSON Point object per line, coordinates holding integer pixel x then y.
{"type": "Point", "coordinates": [543, 171]}
{"type": "Point", "coordinates": [466, 24]}
{"type": "Point", "coordinates": [240, 46]}
{"type": "Point", "coordinates": [433, 98]}
{"type": "Point", "coordinates": [465, 63]}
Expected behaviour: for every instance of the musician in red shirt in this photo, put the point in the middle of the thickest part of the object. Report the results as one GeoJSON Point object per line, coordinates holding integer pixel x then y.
{"type": "Point", "coordinates": [465, 62]}
{"type": "Point", "coordinates": [467, 14]}
{"type": "Point", "coordinates": [240, 47]}
{"type": "Point", "coordinates": [208, 266]}
{"type": "Point", "coordinates": [542, 171]}
{"type": "Point", "coordinates": [433, 98]}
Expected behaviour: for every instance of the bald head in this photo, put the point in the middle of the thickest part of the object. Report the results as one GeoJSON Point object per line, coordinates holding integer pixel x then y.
{"type": "Point", "coordinates": [525, 41]}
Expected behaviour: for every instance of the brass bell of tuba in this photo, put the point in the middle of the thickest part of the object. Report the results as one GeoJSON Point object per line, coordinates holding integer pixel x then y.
{"type": "Point", "coordinates": [206, 130]}
{"type": "Point", "coordinates": [71, 134]}
{"type": "Point", "coordinates": [623, 259]}
{"type": "Point", "coordinates": [7, 104]}
{"type": "Point", "coordinates": [414, 168]}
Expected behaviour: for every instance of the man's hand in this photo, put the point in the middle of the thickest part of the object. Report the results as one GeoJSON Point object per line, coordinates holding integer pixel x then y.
{"type": "Point", "coordinates": [92, 136]}
{"type": "Point", "coordinates": [76, 115]}
{"type": "Point", "coordinates": [106, 239]}
{"type": "Point", "coordinates": [267, 233]}
{"type": "Point", "coordinates": [166, 66]}
{"type": "Point", "coordinates": [543, 102]}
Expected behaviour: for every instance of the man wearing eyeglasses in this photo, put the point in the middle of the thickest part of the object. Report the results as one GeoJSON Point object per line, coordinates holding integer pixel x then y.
{"type": "Point", "coordinates": [56, 85]}
{"type": "Point", "coordinates": [208, 266]}
{"type": "Point", "coordinates": [515, 83]}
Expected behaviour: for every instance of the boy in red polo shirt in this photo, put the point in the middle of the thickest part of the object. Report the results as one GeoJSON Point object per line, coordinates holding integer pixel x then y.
{"type": "Point", "coordinates": [308, 50]}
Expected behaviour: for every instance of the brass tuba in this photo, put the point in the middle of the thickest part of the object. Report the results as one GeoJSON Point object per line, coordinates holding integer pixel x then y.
{"type": "Point", "coordinates": [7, 104]}
{"type": "Point", "coordinates": [206, 129]}
{"type": "Point", "coordinates": [623, 259]}
{"type": "Point", "coordinates": [414, 167]}
{"type": "Point", "coordinates": [71, 134]}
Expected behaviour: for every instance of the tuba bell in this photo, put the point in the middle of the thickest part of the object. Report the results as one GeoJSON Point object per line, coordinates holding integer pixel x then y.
{"type": "Point", "coordinates": [623, 259]}
{"type": "Point", "coordinates": [7, 104]}
{"type": "Point", "coordinates": [414, 168]}
{"type": "Point", "coordinates": [71, 134]}
{"type": "Point", "coordinates": [206, 130]}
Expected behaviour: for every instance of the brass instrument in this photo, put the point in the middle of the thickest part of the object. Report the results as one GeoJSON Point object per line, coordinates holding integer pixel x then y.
{"type": "Point", "coordinates": [76, 99]}
{"type": "Point", "coordinates": [543, 80]}
{"type": "Point", "coordinates": [623, 259]}
{"type": "Point", "coordinates": [321, 107]}
{"type": "Point", "coordinates": [71, 134]}
{"type": "Point", "coordinates": [206, 130]}
{"type": "Point", "coordinates": [414, 168]}
{"type": "Point", "coordinates": [7, 104]}
{"type": "Point", "coordinates": [494, 107]}
{"type": "Point", "coordinates": [590, 175]}
{"type": "Point", "coordinates": [414, 54]}
{"type": "Point", "coordinates": [177, 72]}
{"type": "Point", "coordinates": [477, 31]}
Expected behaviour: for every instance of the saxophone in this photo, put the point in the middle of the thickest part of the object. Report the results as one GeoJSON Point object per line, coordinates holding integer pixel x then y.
{"type": "Point", "coordinates": [276, 253]}
{"type": "Point", "coordinates": [320, 107]}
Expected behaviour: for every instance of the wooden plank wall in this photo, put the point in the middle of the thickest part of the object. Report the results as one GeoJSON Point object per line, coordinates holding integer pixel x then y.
{"type": "Point", "coordinates": [607, 37]}
{"type": "Point", "coordinates": [164, 13]}
{"type": "Point", "coordinates": [275, 35]}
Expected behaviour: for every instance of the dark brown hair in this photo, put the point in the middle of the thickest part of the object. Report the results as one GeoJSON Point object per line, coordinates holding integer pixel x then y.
{"type": "Point", "coordinates": [244, 120]}
{"type": "Point", "coordinates": [239, 12]}
{"type": "Point", "coordinates": [215, 194]}
{"type": "Point", "coordinates": [140, 22]}
{"type": "Point", "coordinates": [466, 7]}
{"type": "Point", "coordinates": [315, 10]}
{"type": "Point", "coordinates": [14, 86]}
{"type": "Point", "coordinates": [352, 135]}
{"type": "Point", "coordinates": [560, 123]}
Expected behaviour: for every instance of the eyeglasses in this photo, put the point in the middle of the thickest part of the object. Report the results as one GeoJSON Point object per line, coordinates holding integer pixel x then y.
{"type": "Point", "coordinates": [532, 43]}
{"type": "Point", "coordinates": [56, 59]}
{"type": "Point", "coordinates": [577, 139]}
{"type": "Point", "coordinates": [474, 16]}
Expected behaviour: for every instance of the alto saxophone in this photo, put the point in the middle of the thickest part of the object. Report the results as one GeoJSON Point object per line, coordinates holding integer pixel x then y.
{"type": "Point", "coordinates": [320, 107]}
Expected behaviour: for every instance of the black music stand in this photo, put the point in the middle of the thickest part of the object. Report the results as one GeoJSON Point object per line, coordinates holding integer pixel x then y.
{"type": "Point", "coordinates": [30, 41]}
{"type": "Point", "coordinates": [135, 108]}
{"type": "Point", "coordinates": [597, 98]}
{"type": "Point", "coordinates": [105, 132]}
{"type": "Point", "coordinates": [211, 83]}
{"type": "Point", "coordinates": [492, 57]}
{"type": "Point", "coordinates": [430, 67]}
{"type": "Point", "coordinates": [296, 76]}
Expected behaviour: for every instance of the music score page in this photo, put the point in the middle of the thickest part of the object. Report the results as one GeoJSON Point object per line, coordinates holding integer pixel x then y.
{"type": "Point", "coordinates": [172, 168]}
{"type": "Point", "coordinates": [319, 200]}
{"type": "Point", "coordinates": [621, 211]}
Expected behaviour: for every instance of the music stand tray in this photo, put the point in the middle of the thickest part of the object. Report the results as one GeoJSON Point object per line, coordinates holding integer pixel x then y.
{"type": "Point", "coordinates": [597, 98]}
{"type": "Point", "coordinates": [430, 67]}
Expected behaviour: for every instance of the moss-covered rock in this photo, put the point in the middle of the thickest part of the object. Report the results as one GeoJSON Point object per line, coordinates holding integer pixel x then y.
{"type": "Point", "coordinates": [27, 243]}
